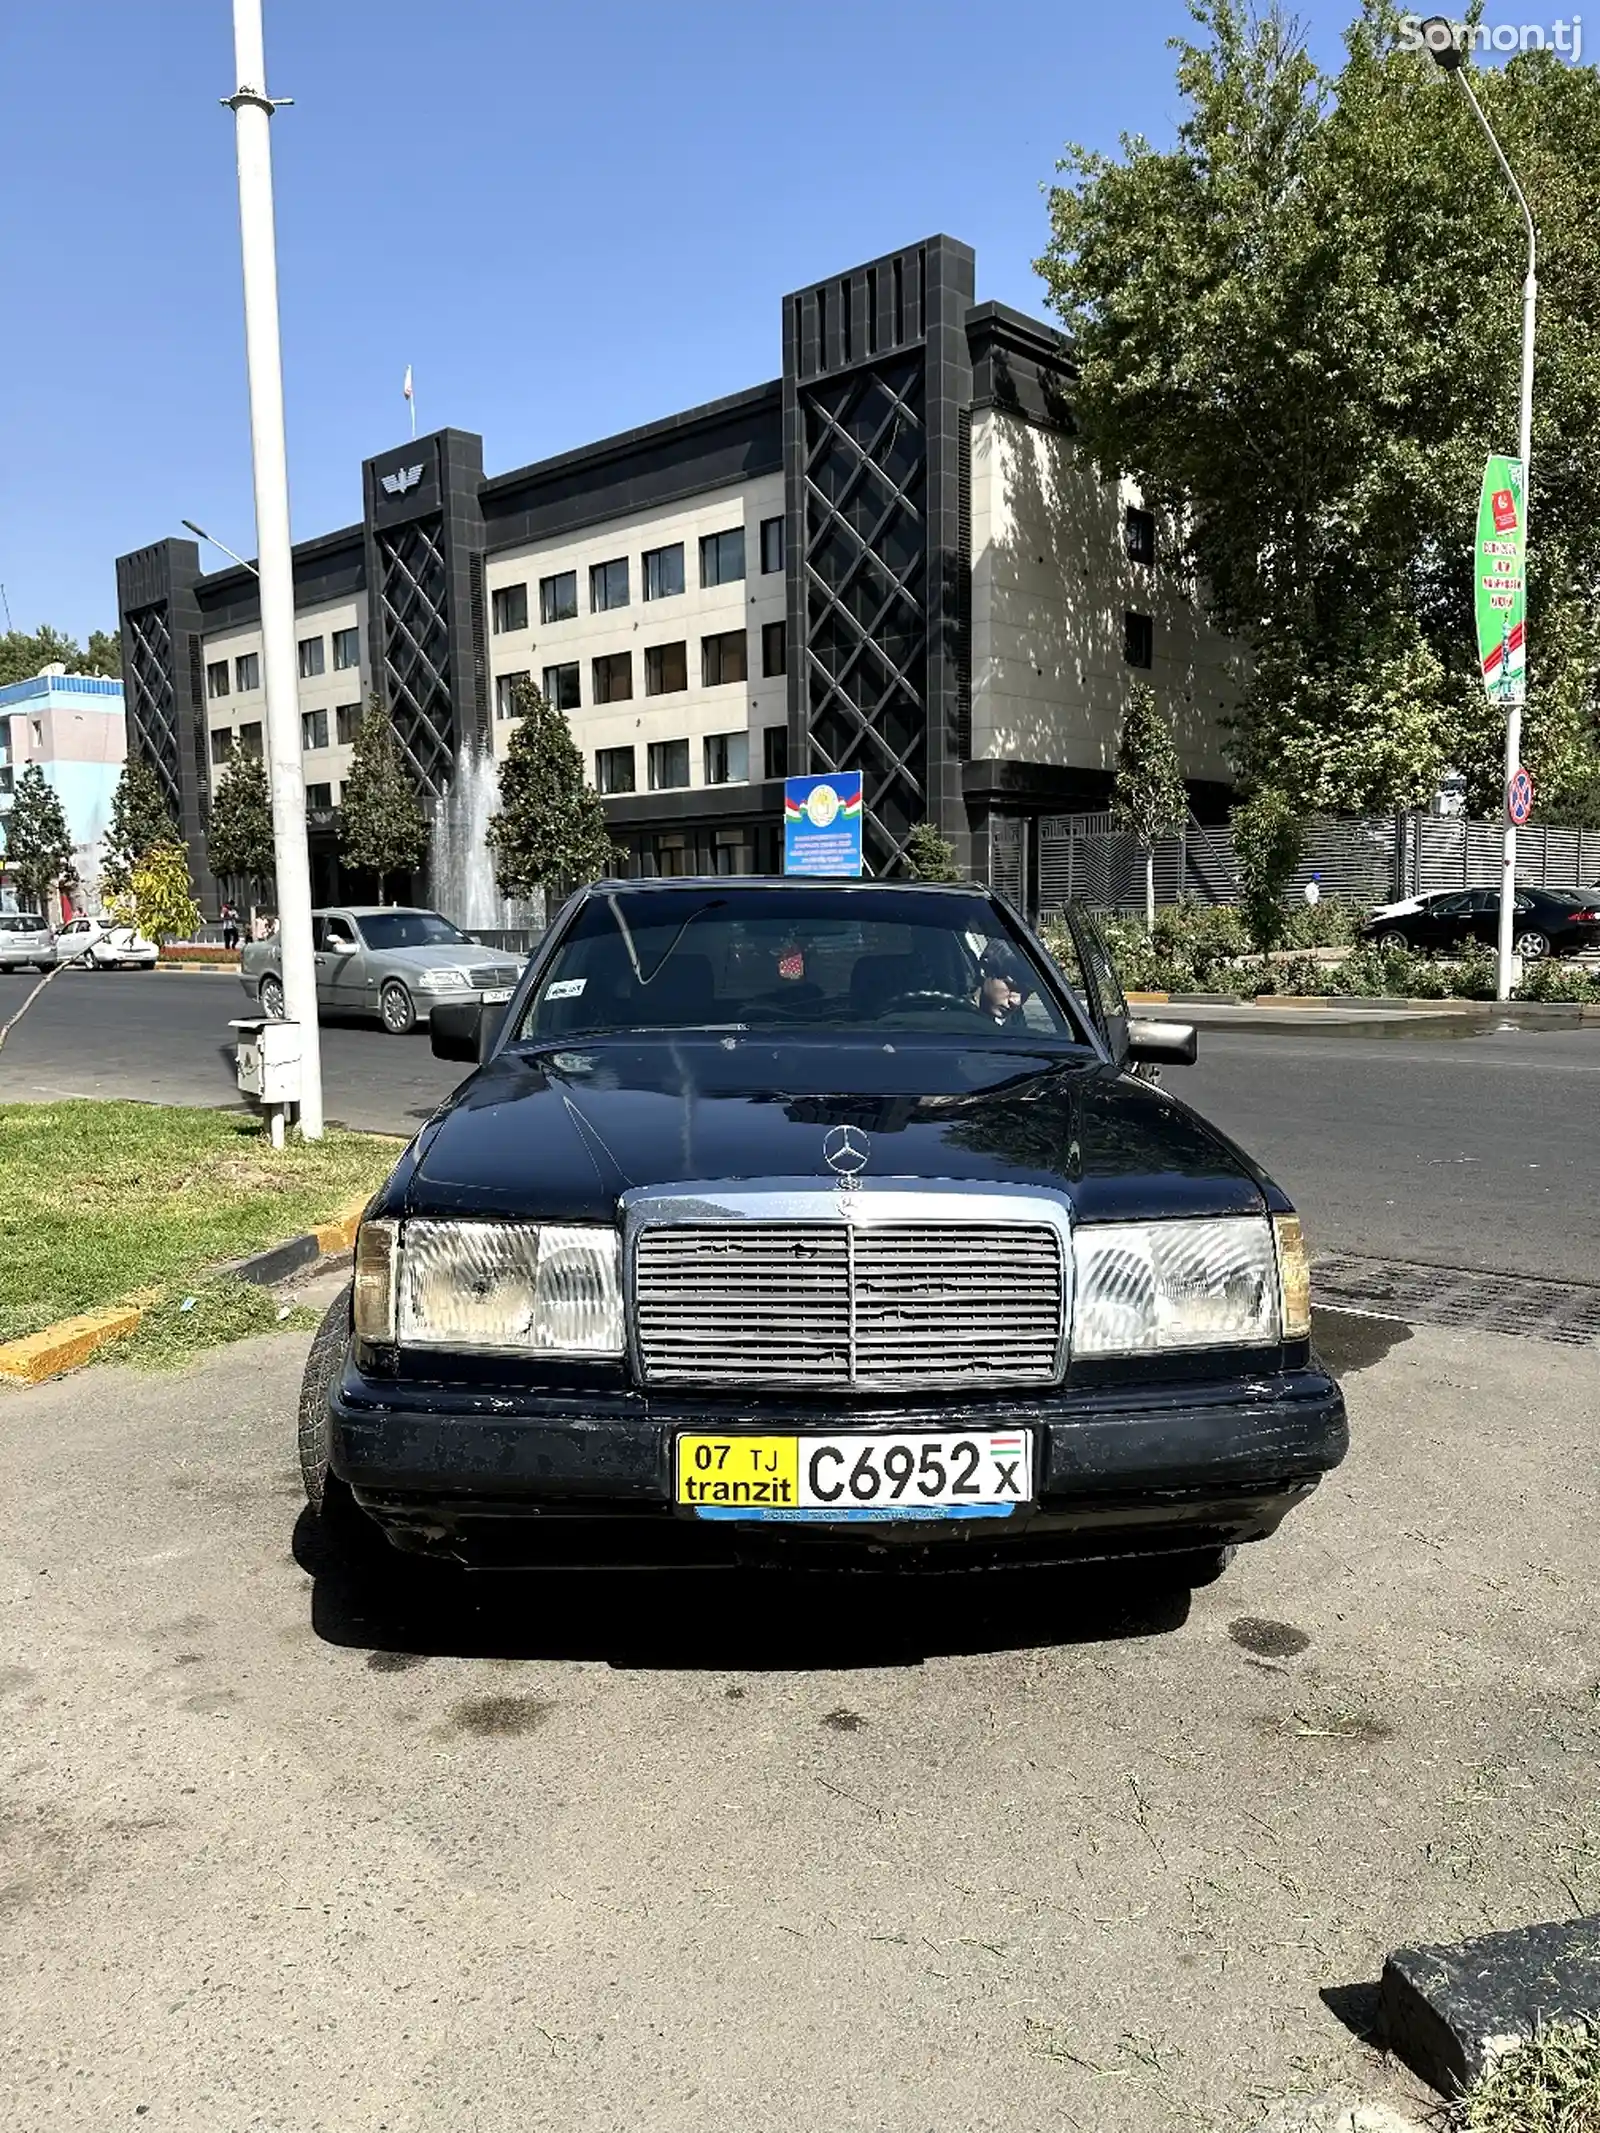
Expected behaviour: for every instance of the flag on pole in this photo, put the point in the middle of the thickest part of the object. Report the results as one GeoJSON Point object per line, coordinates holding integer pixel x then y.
{"type": "Point", "coordinates": [411, 399]}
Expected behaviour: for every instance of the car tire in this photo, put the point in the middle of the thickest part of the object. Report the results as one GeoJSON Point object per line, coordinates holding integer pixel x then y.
{"type": "Point", "coordinates": [396, 1010]}
{"type": "Point", "coordinates": [344, 1529]}
{"type": "Point", "coordinates": [1532, 945]}
{"type": "Point", "coordinates": [269, 995]}
{"type": "Point", "coordinates": [322, 1368]}
{"type": "Point", "coordinates": [44, 969]}
{"type": "Point", "coordinates": [1393, 938]}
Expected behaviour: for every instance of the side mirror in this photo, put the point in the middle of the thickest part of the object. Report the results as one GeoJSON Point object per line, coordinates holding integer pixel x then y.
{"type": "Point", "coordinates": [464, 1029]}
{"type": "Point", "coordinates": [1161, 1043]}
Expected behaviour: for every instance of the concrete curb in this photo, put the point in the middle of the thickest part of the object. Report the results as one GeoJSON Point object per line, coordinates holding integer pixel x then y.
{"type": "Point", "coordinates": [71, 1341]}
{"type": "Point", "coordinates": [63, 1346]}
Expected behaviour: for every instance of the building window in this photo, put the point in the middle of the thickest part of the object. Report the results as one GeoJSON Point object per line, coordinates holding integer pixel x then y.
{"type": "Point", "coordinates": [510, 608]}
{"type": "Point", "coordinates": [613, 678]}
{"type": "Point", "coordinates": [669, 765]}
{"type": "Point", "coordinates": [313, 729]}
{"type": "Point", "coordinates": [346, 650]}
{"type": "Point", "coordinates": [561, 686]}
{"type": "Point", "coordinates": [1138, 639]}
{"type": "Point", "coordinates": [558, 597]}
{"type": "Point", "coordinates": [666, 669]}
{"type": "Point", "coordinates": [775, 752]}
{"type": "Point", "coordinates": [250, 739]}
{"type": "Point", "coordinates": [722, 557]}
{"type": "Point", "coordinates": [221, 744]}
{"type": "Point", "coordinates": [247, 671]}
{"type": "Point", "coordinates": [771, 546]}
{"type": "Point", "coordinates": [608, 585]}
{"type": "Point", "coordinates": [663, 571]}
{"type": "Point", "coordinates": [613, 770]}
{"type": "Point", "coordinates": [505, 693]}
{"type": "Point", "coordinates": [722, 658]}
{"type": "Point", "coordinates": [38, 732]}
{"type": "Point", "coordinates": [313, 658]}
{"type": "Point", "coordinates": [727, 758]}
{"type": "Point", "coordinates": [347, 723]}
{"type": "Point", "coordinates": [319, 796]}
{"type": "Point", "coordinates": [774, 648]}
{"type": "Point", "coordinates": [1139, 534]}
{"type": "Point", "coordinates": [217, 678]}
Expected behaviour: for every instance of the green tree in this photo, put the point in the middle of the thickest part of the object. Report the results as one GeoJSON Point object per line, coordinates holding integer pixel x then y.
{"type": "Point", "coordinates": [1148, 795]}
{"type": "Point", "coordinates": [23, 653]}
{"type": "Point", "coordinates": [930, 857]}
{"type": "Point", "coordinates": [382, 826]}
{"type": "Point", "coordinates": [1298, 328]}
{"type": "Point", "coordinates": [103, 654]}
{"type": "Point", "coordinates": [1268, 837]}
{"type": "Point", "coordinates": [550, 830]}
{"type": "Point", "coordinates": [140, 820]}
{"type": "Point", "coordinates": [239, 832]}
{"type": "Point", "coordinates": [38, 842]}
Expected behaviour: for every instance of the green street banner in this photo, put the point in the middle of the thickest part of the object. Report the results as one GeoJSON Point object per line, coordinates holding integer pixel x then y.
{"type": "Point", "coordinates": [1502, 592]}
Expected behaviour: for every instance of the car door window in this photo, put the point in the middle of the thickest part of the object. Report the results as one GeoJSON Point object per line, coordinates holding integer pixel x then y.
{"type": "Point", "coordinates": [319, 933]}
{"type": "Point", "coordinates": [340, 936]}
{"type": "Point", "coordinates": [1096, 978]}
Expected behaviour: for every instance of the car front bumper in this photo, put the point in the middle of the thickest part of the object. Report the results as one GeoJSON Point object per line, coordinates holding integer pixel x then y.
{"type": "Point", "coordinates": [497, 1478]}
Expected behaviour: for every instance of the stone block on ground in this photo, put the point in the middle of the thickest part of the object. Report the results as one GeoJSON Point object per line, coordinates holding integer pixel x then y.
{"type": "Point", "coordinates": [1451, 2012]}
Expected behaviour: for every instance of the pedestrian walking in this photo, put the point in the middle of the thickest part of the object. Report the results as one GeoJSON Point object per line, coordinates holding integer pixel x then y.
{"type": "Point", "coordinates": [230, 926]}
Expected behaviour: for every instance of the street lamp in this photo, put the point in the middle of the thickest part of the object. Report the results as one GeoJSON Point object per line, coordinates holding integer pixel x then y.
{"type": "Point", "coordinates": [1439, 35]}
{"type": "Point", "coordinates": [252, 109]}
{"type": "Point", "coordinates": [201, 534]}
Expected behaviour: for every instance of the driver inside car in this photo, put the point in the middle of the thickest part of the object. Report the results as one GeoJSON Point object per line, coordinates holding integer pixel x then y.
{"type": "Point", "coordinates": [1002, 989]}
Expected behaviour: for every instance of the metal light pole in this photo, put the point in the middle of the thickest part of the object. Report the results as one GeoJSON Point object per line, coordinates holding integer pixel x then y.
{"type": "Point", "coordinates": [252, 110]}
{"type": "Point", "coordinates": [1448, 54]}
{"type": "Point", "coordinates": [233, 554]}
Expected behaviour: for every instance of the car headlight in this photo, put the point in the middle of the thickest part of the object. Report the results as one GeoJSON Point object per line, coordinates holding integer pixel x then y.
{"type": "Point", "coordinates": [440, 980]}
{"type": "Point", "coordinates": [550, 1289]}
{"type": "Point", "coordinates": [1144, 1286]}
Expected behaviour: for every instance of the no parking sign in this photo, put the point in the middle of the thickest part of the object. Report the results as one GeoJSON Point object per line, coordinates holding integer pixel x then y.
{"type": "Point", "coordinates": [1519, 798]}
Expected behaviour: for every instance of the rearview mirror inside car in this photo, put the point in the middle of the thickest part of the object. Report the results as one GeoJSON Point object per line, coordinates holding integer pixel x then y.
{"type": "Point", "coordinates": [1153, 1043]}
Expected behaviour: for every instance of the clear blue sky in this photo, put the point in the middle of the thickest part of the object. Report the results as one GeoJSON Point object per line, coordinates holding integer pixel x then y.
{"type": "Point", "coordinates": [569, 218]}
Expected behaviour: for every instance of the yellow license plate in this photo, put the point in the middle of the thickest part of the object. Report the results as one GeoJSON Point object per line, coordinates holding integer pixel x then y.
{"type": "Point", "coordinates": [860, 1476]}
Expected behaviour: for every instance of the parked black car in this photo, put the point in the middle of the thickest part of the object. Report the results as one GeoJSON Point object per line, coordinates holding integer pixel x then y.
{"type": "Point", "coordinates": [1548, 922]}
{"type": "Point", "coordinates": [784, 1214]}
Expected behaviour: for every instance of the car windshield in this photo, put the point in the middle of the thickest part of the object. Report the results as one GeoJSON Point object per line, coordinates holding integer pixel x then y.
{"type": "Point", "coordinates": [796, 958]}
{"type": "Point", "coordinates": [21, 922]}
{"type": "Point", "coordinates": [411, 929]}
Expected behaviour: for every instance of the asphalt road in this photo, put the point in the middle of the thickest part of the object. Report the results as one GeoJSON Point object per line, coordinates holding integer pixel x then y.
{"type": "Point", "coordinates": [1396, 1141]}
{"type": "Point", "coordinates": [282, 1849]}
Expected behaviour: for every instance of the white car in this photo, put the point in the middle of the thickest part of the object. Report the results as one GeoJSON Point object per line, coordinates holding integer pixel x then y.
{"type": "Point", "coordinates": [24, 939]}
{"type": "Point", "coordinates": [110, 947]}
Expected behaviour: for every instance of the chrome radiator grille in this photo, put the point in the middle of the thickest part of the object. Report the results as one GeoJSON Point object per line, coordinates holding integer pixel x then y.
{"type": "Point", "coordinates": [848, 1303]}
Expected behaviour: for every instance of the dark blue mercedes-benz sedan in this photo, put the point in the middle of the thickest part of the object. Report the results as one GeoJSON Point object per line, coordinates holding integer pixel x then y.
{"type": "Point", "coordinates": [781, 1216]}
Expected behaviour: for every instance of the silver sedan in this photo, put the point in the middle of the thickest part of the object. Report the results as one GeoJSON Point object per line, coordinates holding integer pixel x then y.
{"type": "Point", "coordinates": [393, 962]}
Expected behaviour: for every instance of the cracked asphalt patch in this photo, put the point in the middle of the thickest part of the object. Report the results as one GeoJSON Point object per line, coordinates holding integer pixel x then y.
{"type": "Point", "coordinates": [589, 1852]}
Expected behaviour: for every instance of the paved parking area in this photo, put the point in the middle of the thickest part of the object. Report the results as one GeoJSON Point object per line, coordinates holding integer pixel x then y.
{"type": "Point", "coordinates": [598, 1852]}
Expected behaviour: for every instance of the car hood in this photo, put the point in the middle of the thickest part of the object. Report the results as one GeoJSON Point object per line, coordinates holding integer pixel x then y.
{"type": "Point", "coordinates": [450, 956]}
{"type": "Point", "coordinates": [561, 1134]}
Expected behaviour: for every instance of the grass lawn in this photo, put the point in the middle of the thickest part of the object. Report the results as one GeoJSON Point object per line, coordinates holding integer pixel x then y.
{"type": "Point", "coordinates": [100, 1202]}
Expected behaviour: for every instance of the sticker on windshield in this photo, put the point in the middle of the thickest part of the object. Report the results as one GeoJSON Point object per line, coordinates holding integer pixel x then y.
{"type": "Point", "coordinates": [565, 988]}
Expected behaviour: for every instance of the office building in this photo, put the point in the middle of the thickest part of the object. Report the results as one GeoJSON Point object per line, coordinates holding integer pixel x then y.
{"type": "Point", "coordinates": [889, 558]}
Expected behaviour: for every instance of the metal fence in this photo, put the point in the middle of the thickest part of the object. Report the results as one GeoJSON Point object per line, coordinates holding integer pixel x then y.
{"type": "Point", "coordinates": [1365, 858]}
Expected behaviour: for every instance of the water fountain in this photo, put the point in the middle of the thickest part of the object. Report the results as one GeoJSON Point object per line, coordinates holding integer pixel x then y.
{"type": "Point", "coordinates": [461, 868]}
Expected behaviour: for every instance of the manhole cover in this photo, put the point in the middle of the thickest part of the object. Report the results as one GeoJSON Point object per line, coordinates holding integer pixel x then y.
{"type": "Point", "coordinates": [1459, 1296]}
